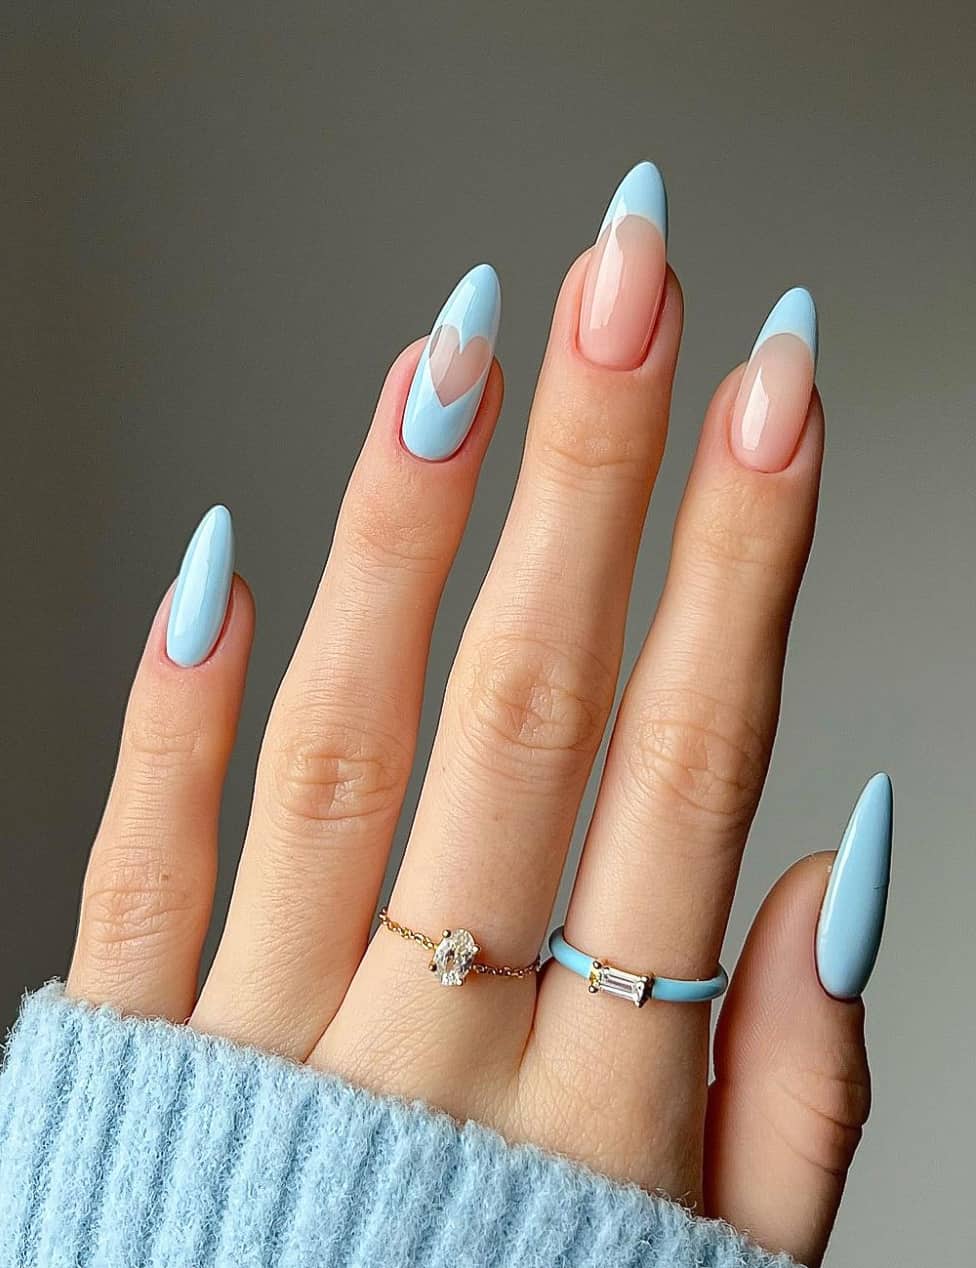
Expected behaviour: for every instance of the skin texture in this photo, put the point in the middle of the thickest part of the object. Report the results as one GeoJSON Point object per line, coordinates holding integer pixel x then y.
{"type": "Point", "coordinates": [529, 698]}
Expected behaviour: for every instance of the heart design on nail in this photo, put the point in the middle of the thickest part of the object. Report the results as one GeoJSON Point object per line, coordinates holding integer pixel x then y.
{"type": "Point", "coordinates": [454, 372]}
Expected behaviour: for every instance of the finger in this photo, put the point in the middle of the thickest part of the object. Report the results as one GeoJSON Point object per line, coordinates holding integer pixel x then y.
{"type": "Point", "coordinates": [149, 885]}
{"type": "Point", "coordinates": [690, 749]}
{"type": "Point", "coordinates": [339, 745]}
{"type": "Point", "coordinates": [792, 1090]}
{"type": "Point", "coordinates": [535, 675]}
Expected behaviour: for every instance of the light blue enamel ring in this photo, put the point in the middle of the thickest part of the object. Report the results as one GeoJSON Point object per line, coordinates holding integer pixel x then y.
{"type": "Point", "coordinates": [638, 988]}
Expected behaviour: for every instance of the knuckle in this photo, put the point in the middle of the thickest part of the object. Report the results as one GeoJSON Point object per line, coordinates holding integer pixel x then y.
{"type": "Point", "coordinates": [131, 904]}
{"type": "Point", "coordinates": [382, 538]}
{"type": "Point", "coordinates": [699, 757]}
{"type": "Point", "coordinates": [160, 741]}
{"type": "Point", "coordinates": [742, 528]}
{"type": "Point", "coordinates": [579, 443]}
{"type": "Point", "coordinates": [334, 775]}
{"type": "Point", "coordinates": [524, 696]}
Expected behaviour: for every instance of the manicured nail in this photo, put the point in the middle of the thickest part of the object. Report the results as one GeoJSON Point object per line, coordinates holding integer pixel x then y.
{"type": "Point", "coordinates": [453, 368]}
{"type": "Point", "coordinates": [199, 606]}
{"type": "Point", "coordinates": [625, 275]}
{"type": "Point", "coordinates": [853, 911]}
{"type": "Point", "coordinates": [774, 395]}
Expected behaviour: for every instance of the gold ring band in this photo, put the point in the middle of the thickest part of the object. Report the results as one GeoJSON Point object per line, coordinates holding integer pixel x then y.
{"type": "Point", "coordinates": [452, 958]}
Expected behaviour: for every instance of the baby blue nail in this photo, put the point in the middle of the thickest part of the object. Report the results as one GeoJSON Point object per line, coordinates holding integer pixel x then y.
{"type": "Point", "coordinates": [853, 911]}
{"type": "Point", "coordinates": [794, 313]}
{"type": "Point", "coordinates": [202, 590]}
{"type": "Point", "coordinates": [453, 368]}
{"type": "Point", "coordinates": [640, 193]}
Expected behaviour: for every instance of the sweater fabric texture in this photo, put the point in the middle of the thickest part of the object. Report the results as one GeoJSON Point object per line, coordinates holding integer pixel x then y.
{"type": "Point", "coordinates": [130, 1143]}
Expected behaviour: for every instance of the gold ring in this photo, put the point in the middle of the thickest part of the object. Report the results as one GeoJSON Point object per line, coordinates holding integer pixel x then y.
{"type": "Point", "coordinates": [454, 956]}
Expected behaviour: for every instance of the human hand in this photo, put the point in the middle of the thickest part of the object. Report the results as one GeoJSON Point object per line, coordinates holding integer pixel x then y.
{"type": "Point", "coordinates": [536, 1057]}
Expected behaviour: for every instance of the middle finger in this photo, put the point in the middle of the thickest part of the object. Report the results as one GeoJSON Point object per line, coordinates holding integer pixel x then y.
{"type": "Point", "coordinates": [534, 680]}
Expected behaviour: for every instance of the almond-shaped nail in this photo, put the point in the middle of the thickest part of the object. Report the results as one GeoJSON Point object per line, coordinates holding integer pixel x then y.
{"type": "Point", "coordinates": [774, 395]}
{"type": "Point", "coordinates": [853, 912]}
{"type": "Point", "coordinates": [625, 275]}
{"type": "Point", "coordinates": [199, 605]}
{"type": "Point", "coordinates": [453, 368]}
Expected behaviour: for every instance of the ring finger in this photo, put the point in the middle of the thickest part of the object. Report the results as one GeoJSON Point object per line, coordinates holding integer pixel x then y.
{"type": "Point", "coordinates": [691, 746]}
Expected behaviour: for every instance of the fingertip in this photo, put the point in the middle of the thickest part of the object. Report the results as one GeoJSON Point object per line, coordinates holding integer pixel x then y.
{"type": "Point", "coordinates": [494, 394]}
{"type": "Point", "coordinates": [242, 600]}
{"type": "Point", "coordinates": [238, 631]}
{"type": "Point", "coordinates": [565, 317]}
{"type": "Point", "coordinates": [662, 354]}
{"type": "Point", "coordinates": [673, 304]}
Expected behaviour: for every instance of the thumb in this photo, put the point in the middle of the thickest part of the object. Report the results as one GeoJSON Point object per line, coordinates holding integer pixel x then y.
{"type": "Point", "coordinates": [792, 1089]}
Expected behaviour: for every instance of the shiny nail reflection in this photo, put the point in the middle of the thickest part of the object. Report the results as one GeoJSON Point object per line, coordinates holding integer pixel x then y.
{"type": "Point", "coordinates": [774, 395]}
{"type": "Point", "coordinates": [626, 272]}
{"type": "Point", "coordinates": [199, 605]}
{"type": "Point", "coordinates": [450, 377]}
{"type": "Point", "coordinates": [853, 911]}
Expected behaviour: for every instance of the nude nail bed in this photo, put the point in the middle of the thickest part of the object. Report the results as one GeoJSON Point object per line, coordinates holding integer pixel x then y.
{"type": "Point", "coordinates": [774, 395]}
{"type": "Point", "coordinates": [625, 275]}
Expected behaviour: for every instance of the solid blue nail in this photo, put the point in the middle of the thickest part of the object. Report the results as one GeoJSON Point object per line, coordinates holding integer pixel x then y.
{"type": "Point", "coordinates": [853, 912]}
{"type": "Point", "coordinates": [202, 590]}
{"type": "Point", "coordinates": [453, 368]}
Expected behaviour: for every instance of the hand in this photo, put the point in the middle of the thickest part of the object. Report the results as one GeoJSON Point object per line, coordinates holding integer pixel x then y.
{"type": "Point", "coordinates": [623, 1090]}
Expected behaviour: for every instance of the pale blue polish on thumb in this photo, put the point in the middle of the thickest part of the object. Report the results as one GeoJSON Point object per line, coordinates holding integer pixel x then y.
{"type": "Point", "coordinates": [853, 912]}
{"type": "Point", "coordinates": [199, 605]}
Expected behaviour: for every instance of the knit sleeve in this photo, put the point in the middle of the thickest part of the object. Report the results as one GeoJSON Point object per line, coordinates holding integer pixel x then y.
{"type": "Point", "coordinates": [128, 1143]}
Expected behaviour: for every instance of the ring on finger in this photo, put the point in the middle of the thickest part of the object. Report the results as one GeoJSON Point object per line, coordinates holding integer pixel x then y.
{"type": "Point", "coordinates": [453, 956]}
{"type": "Point", "coordinates": [638, 988]}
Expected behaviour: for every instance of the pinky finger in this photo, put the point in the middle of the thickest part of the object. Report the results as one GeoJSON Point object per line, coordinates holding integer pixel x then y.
{"type": "Point", "coordinates": [792, 1089]}
{"type": "Point", "coordinates": [149, 885]}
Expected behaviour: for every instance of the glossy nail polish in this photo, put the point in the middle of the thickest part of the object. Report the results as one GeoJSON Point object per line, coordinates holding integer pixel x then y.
{"type": "Point", "coordinates": [625, 275]}
{"type": "Point", "coordinates": [853, 911]}
{"type": "Point", "coordinates": [199, 606]}
{"type": "Point", "coordinates": [450, 377]}
{"type": "Point", "coordinates": [774, 395]}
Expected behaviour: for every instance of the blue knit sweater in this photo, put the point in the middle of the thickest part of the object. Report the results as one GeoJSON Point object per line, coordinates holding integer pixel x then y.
{"type": "Point", "coordinates": [136, 1144]}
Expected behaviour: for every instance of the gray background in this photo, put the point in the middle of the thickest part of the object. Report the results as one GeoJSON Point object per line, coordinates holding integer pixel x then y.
{"type": "Point", "coordinates": [221, 223]}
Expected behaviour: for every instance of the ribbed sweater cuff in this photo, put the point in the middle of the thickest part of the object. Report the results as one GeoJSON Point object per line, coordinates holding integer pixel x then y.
{"type": "Point", "coordinates": [126, 1142]}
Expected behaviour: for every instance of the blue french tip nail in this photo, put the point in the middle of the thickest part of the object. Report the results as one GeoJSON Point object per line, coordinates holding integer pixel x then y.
{"type": "Point", "coordinates": [199, 606]}
{"type": "Point", "coordinates": [853, 911]}
{"type": "Point", "coordinates": [794, 313]}
{"type": "Point", "coordinates": [640, 193]}
{"type": "Point", "coordinates": [450, 377]}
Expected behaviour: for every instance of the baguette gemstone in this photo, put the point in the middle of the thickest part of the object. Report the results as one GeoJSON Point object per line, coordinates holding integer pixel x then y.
{"type": "Point", "coordinates": [606, 979]}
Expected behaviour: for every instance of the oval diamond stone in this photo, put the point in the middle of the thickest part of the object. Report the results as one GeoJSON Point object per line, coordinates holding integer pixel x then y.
{"type": "Point", "coordinates": [453, 957]}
